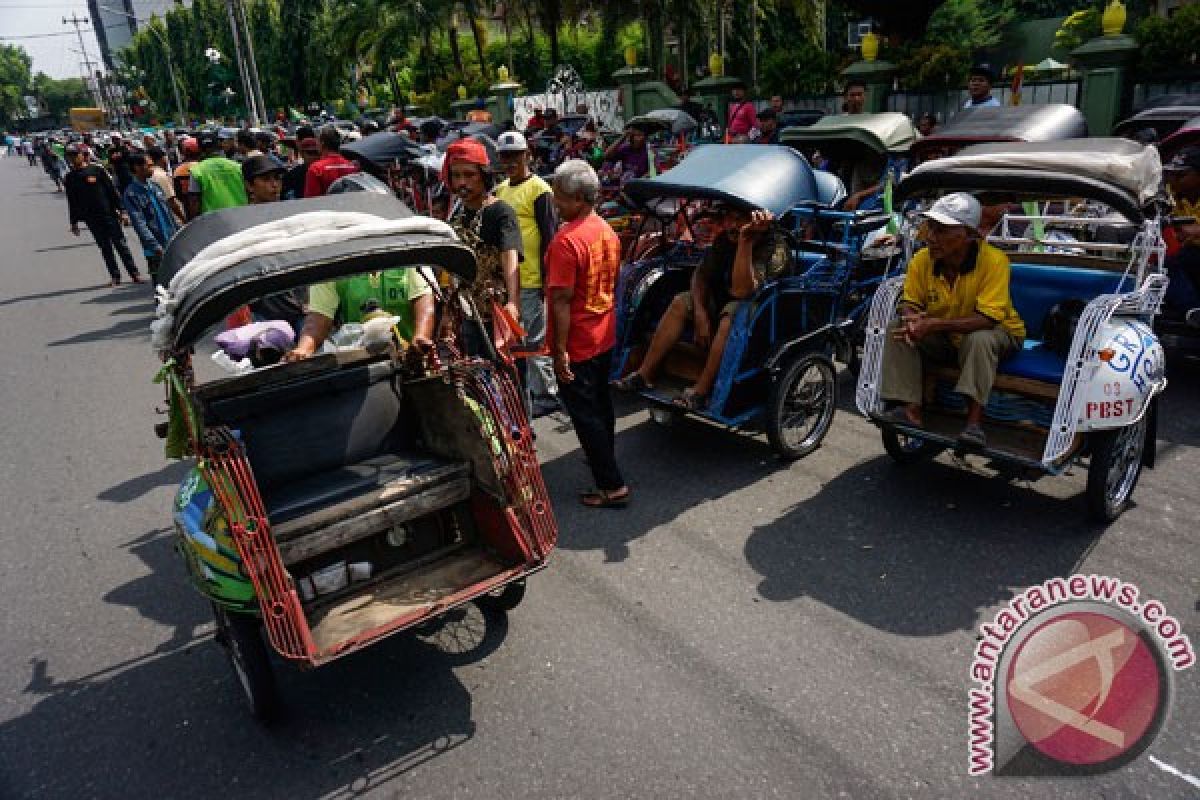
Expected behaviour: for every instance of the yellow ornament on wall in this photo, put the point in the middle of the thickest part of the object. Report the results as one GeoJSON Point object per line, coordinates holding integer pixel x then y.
{"type": "Point", "coordinates": [716, 65]}
{"type": "Point", "coordinates": [631, 56]}
{"type": "Point", "coordinates": [502, 74]}
{"type": "Point", "coordinates": [462, 92]}
{"type": "Point", "coordinates": [1112, 22]}
{"type": "Point", "coordinates": [870, 46]}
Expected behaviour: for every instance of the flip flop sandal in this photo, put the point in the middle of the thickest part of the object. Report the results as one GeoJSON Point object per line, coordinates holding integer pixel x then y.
{"type": "Point", "coordinates": [973, 434]}
{"type": "Point", "coordinates": [633, 382]}
{"type": "Point", "coordinates": [598, 498]}
{"type": "Point", "coordinates": [691, 401]}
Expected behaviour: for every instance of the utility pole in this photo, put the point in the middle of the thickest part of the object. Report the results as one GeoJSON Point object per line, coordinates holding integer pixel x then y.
{"type": "Point", "coordinates": [87, 63]}
{"type": "Point", "coordinates": [247, 88]}
{"type": "Point", "coordinates": [253, 65]}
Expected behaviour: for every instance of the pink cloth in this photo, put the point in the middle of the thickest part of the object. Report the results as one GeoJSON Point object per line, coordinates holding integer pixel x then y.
{"type": "Point", "coordinates": [742, 118]}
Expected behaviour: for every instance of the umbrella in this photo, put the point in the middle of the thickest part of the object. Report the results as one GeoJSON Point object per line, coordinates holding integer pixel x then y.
{"type": "Point", "coordinates": [383, 149]}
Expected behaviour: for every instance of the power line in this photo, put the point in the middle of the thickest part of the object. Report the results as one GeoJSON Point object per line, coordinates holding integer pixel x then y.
{"type": "Point", "coordinates": [48, 35]}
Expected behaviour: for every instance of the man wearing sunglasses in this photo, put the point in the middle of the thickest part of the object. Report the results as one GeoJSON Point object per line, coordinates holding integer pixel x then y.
{"type": "Point", "coordinates": [956, 308]}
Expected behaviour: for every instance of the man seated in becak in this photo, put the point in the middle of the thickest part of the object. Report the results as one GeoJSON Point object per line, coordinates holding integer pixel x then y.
{"type": "Point", "coordinates": [956, 308]}
{"type": "Point", "coordinates": [745, 253]}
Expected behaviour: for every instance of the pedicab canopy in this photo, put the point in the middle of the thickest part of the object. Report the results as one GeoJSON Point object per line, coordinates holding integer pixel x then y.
{"type": "Point", "coordinates": [228, 258]}
{"type": "Point", "coordinates": [748, 176]}
{"type": "Point", "coordinates": [1163, 120]}
{"type": "Point", "coordinates": [1122, 174]}
{"type": "Point", "coordinates": [383, 149]}
{"type": "Point", "coordinates": [1039, 123]}
{"type": "Point", "coordinates": [885, 132]}
{"type": "Point", "coordinates": [672, 120]}
{"type": "Point", "coordinates": [1187, 136]}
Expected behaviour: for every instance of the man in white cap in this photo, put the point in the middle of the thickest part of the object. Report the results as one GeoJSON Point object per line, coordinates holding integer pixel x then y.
{"type": "Point", "coordinates": [956, 308]}
{"type": "Point", "coordinates": [533, 201]}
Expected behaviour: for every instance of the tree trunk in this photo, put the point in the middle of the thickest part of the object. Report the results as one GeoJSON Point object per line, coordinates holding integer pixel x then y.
{"type": "Point", "coordinates": [452, 36]}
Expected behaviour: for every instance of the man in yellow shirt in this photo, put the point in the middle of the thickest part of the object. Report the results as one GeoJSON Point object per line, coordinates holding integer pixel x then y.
{"type": "Point", "coordinates": [533, 201]}
{"type": "Point", "coordinates": [956, 308]}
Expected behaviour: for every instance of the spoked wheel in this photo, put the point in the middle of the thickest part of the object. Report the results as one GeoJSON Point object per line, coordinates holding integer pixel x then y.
{"type": "Point", "coordinates": [800, 408]}
{"type": "Point", "coordinates": [1114, 471]}
{"type": "Point", "coordinates": [905, 449]}
{"type": "Point", "coordinates": [502, 600]}
{"type": "Point", "coordinates": [241, 636]}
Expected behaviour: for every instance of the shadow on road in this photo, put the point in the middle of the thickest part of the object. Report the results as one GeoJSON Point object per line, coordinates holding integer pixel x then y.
{"type": "Point", "coordinates": [169, 475]}
{"type": "Point", "coordinates": [698, 461]}
{"type": "Point", "coordinates": [50, 295]}
{"type": "Point", "coordinates": [58, 247]}
{"type": "Point", "coordinates": [125, 293]}
{"type": "Point", "coordinates": [172, 723]}
{"type": "Point", "coordinates": [918, 551]}
{"type": "Point", "coordinates": [125, 329]}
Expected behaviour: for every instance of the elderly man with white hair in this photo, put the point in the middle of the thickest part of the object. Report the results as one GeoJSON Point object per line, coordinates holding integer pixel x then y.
{"type": "Point", "coordinates": [582, 262]}
{"type": "Point", "coordinates": [956, 308]}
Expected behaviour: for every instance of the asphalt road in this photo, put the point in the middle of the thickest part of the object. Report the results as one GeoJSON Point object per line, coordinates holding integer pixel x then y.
{"type": "Point", "coordinates": [745, 629]}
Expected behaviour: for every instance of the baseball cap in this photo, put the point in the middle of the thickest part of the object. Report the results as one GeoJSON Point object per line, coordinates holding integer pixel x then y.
{"type": "Point", "coordinates": [1185, 159]}
{"type": "Point", "coordinates": [958, 208]}
{"type": "Point", "coordinates": [259, 165]}
{"type": "Point", "coordinates": [308, 143]}
{"type": "Point", "coordinates": [228, 133]}
{"type": "Point", "coordinates": [206, 138]}
{"type": "Point", "coordinates": [984, 70]}
{"type": "Point", "coordinates": [191, 146]}
{"type": "Point", "coordinates": [511, 142]}
{"type": "Point", "coordinates": [72, 149]}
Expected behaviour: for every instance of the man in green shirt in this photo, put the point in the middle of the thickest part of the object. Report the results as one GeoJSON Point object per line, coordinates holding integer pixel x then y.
{"type": "Point", "coordinates": [405, 293]}
{"type": "Point", "coordinates": [215, 181]}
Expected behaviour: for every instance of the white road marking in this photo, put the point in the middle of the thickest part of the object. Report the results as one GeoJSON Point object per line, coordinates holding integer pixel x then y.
{"type": "Point", "coordinates": [1165, 767]}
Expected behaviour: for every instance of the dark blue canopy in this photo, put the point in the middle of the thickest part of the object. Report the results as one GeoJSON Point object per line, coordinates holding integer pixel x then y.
{"type": "Point", "coordinates": [766, 176]}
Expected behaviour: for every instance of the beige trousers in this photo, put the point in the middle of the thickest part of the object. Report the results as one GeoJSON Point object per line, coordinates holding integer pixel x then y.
{"type": "Point", "coordinates": [977, 356]}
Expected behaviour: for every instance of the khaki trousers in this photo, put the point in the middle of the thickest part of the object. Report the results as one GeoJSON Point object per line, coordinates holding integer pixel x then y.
{"type": "Point", "coordinates": [977, 355]}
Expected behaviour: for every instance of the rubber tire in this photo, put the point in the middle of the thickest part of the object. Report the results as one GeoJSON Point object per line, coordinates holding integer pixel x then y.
{"type": "Point", "coordinates": [778, 396]}
{"type": "Point", "coordinates": [503, 601]}
{"type": "Point", "coordinates": [901, 455]}
{"type": "Point", "coordinates": [1107, 446]}
{"type": "Point", "coordinates": [250, 659]}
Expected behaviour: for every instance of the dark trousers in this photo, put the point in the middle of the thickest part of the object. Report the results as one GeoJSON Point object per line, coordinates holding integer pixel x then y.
{"type": "Point", "coordinates": [109, 235]}
{"type": "Point", "coordinates": [589, 405]}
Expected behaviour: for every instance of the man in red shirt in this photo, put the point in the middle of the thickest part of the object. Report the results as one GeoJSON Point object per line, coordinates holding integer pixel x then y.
{"type": "Point", "coordinates": [581, 275]}
{"type": "Point", "coordinates": [330, 166]}
{"type": "Point", "coordinates": [742, 117]}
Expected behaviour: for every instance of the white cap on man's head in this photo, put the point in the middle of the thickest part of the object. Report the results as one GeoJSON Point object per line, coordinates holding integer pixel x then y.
{"type": "Point", "coordinates": [511, 142]}
{"type": "Point", "coordinates": [958, 208]}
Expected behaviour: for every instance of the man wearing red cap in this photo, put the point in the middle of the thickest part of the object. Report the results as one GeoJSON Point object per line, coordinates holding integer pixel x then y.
{"type": "Point", "coordinates": [488, 226]}
{"type": "Point", "coordinates": [190, 152]}
{"type": "Point", "coordinates": [330, 166]}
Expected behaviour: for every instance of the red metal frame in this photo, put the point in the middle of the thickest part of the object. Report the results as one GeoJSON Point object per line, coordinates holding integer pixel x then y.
{"type": "Point", "coordinates": [529, 517]}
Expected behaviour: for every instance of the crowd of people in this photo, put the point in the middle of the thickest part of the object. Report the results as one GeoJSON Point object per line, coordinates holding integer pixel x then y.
{"type": "Point", "coordinates": [547, 262]}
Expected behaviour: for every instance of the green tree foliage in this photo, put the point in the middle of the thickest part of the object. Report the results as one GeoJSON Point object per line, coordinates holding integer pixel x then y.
{"type": "Point", "coordinates": [969, 25]}
{"type": "Point", "coordinates": [1169, 45]}
{"type": "Point", "coordinates": [14, 81]}
{"type": "Point", "coordinates": [57, 97]}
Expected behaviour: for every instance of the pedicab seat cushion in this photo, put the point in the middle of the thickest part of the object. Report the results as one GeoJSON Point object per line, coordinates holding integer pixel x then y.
{"type": "Point", "coordinates": [1034, 361]}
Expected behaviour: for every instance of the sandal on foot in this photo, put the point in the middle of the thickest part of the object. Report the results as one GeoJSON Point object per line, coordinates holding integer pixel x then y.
{"type": "Point", "coordinates": [599, 498]}
{"type": "Point", "coordinates": [691, 400]}
{"type": "Point", "coordinates": [973, 434]}
{"type": "Point", "coordinates": [633, 382]}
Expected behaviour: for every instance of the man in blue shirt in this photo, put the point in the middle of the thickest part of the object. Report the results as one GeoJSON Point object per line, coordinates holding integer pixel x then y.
{"type": "Point", "coordinates": [148, 212]}
{"type": "Point", "coordinates": [979, 87]}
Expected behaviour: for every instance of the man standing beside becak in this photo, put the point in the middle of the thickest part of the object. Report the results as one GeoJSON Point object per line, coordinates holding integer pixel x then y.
{"type": "Point", "coordinates": [148, 210]}
{"type": "Point", "coordinates": [581, 275]}
{"type": "Point", "coordinates": [533, 203]}
{"type": "Point", "coordinates": [93, 200]}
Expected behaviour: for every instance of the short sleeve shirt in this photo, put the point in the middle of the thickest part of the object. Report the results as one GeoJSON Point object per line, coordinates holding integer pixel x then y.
{"type": "Point", "coordinates": [393, 290]}
{"type": "Point", "coordinates": [219, 183]}
{"type": "Point", "coordinates": [771, 259]}
{"type": "Point", "coordinates": [586, 255]}
{"type": "Point", "coordinates": [983, 289]}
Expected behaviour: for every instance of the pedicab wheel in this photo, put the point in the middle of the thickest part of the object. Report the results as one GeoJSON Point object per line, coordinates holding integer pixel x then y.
{"type": "Point", "coordinates": [1114, 470]}
{"type": "Point", "coordinates": [502, 600]}
{"type": "Point", "coordinates": [241, 636]}
{"type": "Point", "coordinates": [801, 405]}
{"type": "Point", "coordinates": [905, 449]}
